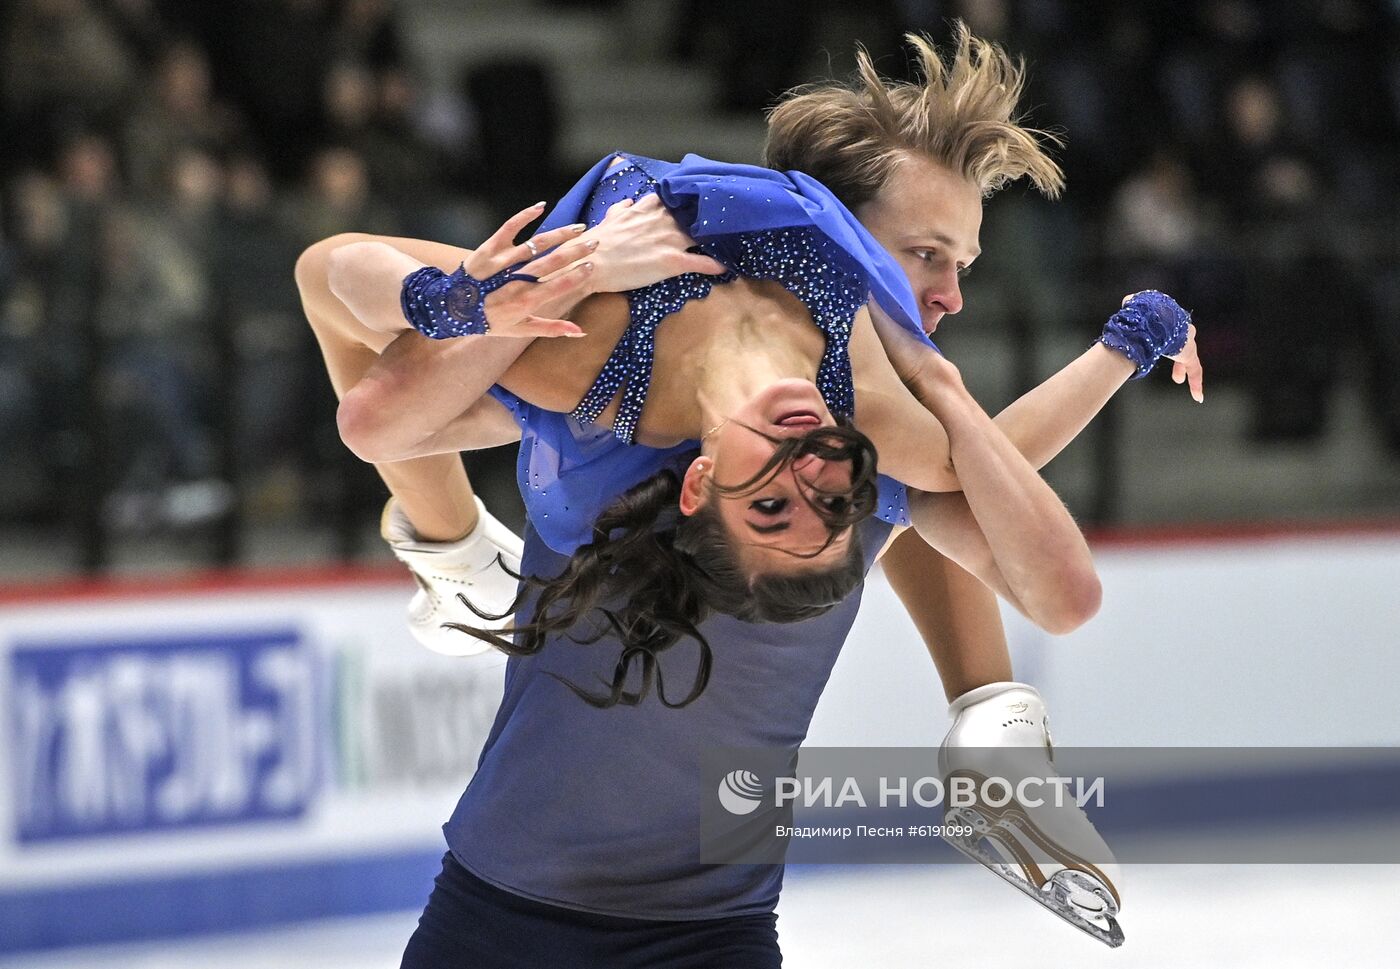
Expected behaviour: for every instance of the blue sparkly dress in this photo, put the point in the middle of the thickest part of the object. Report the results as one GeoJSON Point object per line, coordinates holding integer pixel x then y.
{"type": "Point", "coordinates": [760, 224]}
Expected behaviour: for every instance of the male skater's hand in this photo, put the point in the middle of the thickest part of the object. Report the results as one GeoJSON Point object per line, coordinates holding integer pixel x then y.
{"type": "Point", "coordinates": [911, 357]}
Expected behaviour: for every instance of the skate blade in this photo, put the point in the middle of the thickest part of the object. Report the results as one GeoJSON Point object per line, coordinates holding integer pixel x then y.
{"type": "Point", "coordinates": [1055, 897]}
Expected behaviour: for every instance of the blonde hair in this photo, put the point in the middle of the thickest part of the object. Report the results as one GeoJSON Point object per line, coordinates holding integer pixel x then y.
{"type": "Point", "coordinates": [852, 136]}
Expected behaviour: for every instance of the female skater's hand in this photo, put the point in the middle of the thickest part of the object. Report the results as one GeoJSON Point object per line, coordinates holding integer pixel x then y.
{"type": "Point", "coordinates": [524, 309]}
{"type": "Point", "coordinates": [1186, 366]}
{"type": "Point", "coordinates": [638, 244]}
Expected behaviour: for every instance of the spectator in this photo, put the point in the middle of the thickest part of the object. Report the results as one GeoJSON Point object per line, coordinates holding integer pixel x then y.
{"type": "Point", "coordinates": [399, 167]}
{"type": "Point", "coordinates": [270, 347]}
{"type": "Point", "coordinates": [62, 67]}
{"type": "Point", "coordinates": [1158, 227]}
{"type": "Point", "coordinates": [1213, 148]}
{"type": "Point", "coordinates": [368, 33]}
{"type": "Point", "coordinates": [336, 198]}
{"type": "Point", "coordinates": [159, 350]}
{"type": "Point", "coordinates": [21, 479]}
{"type": "Point", "coordinates": [179, 112]}
{"type": "Point", "coordinates": [270, 57]}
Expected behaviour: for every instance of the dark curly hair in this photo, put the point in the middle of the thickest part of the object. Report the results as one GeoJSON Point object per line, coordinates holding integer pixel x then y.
{"type": "Point", "coordinates": [662, 574]}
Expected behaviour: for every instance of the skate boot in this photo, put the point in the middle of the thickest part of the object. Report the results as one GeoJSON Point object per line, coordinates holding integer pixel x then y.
{"type": "Point", "coordinates": [446, 572]}
{"type": "Point", "coordinates": [1050, 851]}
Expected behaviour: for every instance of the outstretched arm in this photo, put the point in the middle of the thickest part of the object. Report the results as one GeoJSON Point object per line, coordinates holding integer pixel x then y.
{"type": "Point", "coordinates": [1044, 420]}
{"type": "Point", "coordinates": [956, 614]}
{"type": "Point", "coordinates": [973, 495]}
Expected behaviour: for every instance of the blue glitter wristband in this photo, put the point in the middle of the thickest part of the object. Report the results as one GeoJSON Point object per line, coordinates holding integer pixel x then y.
{"type": "Point", "coordinates": [441, 306]}
{"type": "Point", "coordinates": [1150, 325]}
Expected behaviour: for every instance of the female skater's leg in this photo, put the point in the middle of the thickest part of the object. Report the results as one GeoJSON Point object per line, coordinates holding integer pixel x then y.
{"type": "Point", "coordinates": [389, 407]}
{"type": "Point", "coordinates": [955, 612]}
{"type": "Point", "coordinates": [434, 492]}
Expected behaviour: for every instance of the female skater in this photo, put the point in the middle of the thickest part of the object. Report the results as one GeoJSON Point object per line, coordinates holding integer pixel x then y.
{"type": "Point", "coordinates": [766, 507]}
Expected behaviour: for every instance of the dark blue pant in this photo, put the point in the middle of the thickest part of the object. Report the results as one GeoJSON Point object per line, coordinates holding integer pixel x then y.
{"type": "Point", "coordinates": [470, 924]}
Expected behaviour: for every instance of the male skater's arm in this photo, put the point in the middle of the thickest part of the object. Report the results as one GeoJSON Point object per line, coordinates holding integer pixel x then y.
{"type": "Point", "coordinates": [956, 614]}
{"type": "Point", "coordinates": [1006, 526]}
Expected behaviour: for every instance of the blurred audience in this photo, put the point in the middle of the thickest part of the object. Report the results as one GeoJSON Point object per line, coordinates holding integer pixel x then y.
{"type": "Point", "coordinates": [166, 159]}
{"type": "Point", "coordinates": [168, 162]}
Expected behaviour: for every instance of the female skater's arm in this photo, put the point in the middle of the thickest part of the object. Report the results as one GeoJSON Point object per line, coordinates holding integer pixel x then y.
{"type": "Point", "coordinates": [368, 277]}
{"type": "Point", "coordinates": [912, 444]}
{"type": "Point", "coordinates": [409, 388]}
{"type": "Point", "coordinates": [380, 406]}
{"type": "Point", "coordinates": [1042, 422]}
{"type": "Point", "coordinates": [635, 245]}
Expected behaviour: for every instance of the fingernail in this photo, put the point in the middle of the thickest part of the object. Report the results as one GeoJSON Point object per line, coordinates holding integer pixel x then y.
{"type": "Point", "coordinates": [586, 267]}
{"type": "Point", "coordinates": [577, 227]}
{"type": "Point", "coordinates": [572, 334]}
{"type": "Point", "coordinates": [592, 244]}
{"type": "Point", "coordinates": [538, 205]}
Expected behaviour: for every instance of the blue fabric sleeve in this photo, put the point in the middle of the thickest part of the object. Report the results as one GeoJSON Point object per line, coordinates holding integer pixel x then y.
{"type": "Point", "coordinates": [712, 200]}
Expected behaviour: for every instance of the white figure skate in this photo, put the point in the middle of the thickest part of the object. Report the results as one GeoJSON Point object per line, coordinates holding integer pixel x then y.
{"type": "Point", "coordinates": [1051, 852]}
{"type": "Point", "coordinates": [446, 572]}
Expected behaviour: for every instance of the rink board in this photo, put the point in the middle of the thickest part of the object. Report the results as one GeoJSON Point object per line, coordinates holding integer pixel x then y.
{"type": "Point", "coordinates": [203, 760]}
{"type": "Point", "coordinates": [242, 754]}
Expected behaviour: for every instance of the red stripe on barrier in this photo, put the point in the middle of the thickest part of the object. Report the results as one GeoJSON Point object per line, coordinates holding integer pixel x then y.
{"type": "Point", "coordinates": [1237, 533]}
{"type": "Point", "coordinates": [207, 581]}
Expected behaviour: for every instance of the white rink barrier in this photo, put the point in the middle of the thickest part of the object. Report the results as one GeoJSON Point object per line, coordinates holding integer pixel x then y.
{"type": "Point", "coordinates": [213, 759]}
{"type": "Point", "coordinates": [243, 752]}
{"type": "Point", "coordinates": [1251, 640]}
